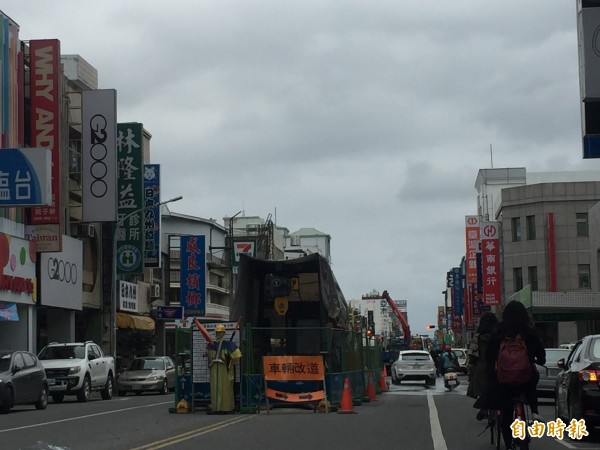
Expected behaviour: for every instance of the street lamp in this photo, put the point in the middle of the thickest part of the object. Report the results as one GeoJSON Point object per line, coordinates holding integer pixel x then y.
{"type": "Point", "coordinates": [113, 303]}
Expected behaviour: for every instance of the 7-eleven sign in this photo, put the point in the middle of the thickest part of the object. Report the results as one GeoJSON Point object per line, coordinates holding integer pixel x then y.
{"type": "Point", "coordinates": [242, 247]}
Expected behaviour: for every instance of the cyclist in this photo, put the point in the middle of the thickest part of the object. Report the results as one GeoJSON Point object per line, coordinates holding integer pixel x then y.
{"type": "Point", "coordinates": [516, 321]}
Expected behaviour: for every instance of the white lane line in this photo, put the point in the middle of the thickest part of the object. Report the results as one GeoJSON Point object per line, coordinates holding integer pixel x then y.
{"type": "Point", "coordinates": [566, 444]}
{"type": "Point", "coordinates": [434, 422]}
{"type": "Point", "coordinates": [83, 417]}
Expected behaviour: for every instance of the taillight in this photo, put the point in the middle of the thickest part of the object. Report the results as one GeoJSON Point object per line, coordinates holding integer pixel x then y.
{"type": "Point", "coordinates": [589, 376]}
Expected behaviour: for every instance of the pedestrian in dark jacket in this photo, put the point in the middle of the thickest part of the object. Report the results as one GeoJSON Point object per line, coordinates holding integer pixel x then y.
{"type": "Point", "coordinates": [476, 363]}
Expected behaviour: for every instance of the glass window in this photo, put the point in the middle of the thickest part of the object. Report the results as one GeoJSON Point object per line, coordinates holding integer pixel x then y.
{"type": "Point", "coordinates": [582, 224]}
{"type": "Point", "coordinates": [530, 222]}
{"type": "Point", "coordinates": [518, 278]}
{"type": "Point", "coordinates": [533, 278]}
{"type": "Point", "coordinates": [516, 229]}
{"type": "Point", "coordinates": [584, 276]}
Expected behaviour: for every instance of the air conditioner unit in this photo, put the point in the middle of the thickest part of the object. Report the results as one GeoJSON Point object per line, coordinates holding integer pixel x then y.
{"type": "Point", "coordinates": [83, 230]}
{"type": "Point", "coordinates": [155, 290]}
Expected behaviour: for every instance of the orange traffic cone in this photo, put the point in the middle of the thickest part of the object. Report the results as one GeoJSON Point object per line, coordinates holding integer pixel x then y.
{"type": "Point", "coordinates": [382, 383]}
{"type": "Point", "coordinates": [346, 406]}
{"type": "Point", "coordinates": [371, 388]}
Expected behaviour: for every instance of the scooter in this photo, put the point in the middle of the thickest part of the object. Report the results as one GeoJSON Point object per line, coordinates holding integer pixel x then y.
{"type": "Point", "coordinates": [451, 379]}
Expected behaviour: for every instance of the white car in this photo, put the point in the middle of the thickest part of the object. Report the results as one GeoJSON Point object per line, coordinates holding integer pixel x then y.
{"type": "Point", "coordinates": [414, 365]}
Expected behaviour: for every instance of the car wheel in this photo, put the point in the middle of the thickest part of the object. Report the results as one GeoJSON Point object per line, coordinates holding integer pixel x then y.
{"type": "Point", "coordinates": [58, 398]}
{"type": "Point", "coordinates": [7, 401]}
{"type": "Point", "coordinates": [107, 392]}
{"type": "Point", "coordinates": [83, 394]}
{"type": "Point", "coordinates": [165, 388]}
{"type": "Point", "coordinates": [42, 402]}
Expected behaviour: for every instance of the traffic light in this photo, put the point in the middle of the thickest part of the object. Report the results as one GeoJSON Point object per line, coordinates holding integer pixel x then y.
{"type": "Point", "coordinates": [429, 327]}
{"type": "Point", "coordinates": [371, 330]}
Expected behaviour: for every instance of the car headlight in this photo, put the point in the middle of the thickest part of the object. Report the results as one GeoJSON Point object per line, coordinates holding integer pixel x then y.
{"type": "Point", "coordinates": [154, 378]}
{"type": "Point", "coordinates": [74, 370]}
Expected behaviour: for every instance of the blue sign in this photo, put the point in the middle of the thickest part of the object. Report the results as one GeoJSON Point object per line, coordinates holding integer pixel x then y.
{"type": "Point", "coordinates": [25, 177]}
{"type": "Point", "coordinates": [193, 275]}
{"type": "Point", "coordinates": [457, 292]}
{"type": "Point", "coordinates": [169, 312]}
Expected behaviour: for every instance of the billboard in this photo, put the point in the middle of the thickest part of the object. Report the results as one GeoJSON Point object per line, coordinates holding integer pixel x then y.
{"type": "Point", "coordinates": [472, 241]}
{"type": "Point", "coordinates": [25, 177]}
{"type": "Point", "coordinates": [99, 155]}
{"type": "Point", "coordinates": [193, 275]}
{"type": "Point", "coordinates": [61, 276]}
{"type": "Point", "coordinates": [17, 270]}
{"type": "Point", "coordinates": [129, 232]}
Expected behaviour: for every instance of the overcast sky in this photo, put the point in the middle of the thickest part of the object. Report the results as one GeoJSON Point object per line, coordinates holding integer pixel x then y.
{"type": "Point", "coordinates": [367, 120]}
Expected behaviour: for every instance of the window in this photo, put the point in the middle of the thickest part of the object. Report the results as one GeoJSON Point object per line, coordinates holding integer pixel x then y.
{"type": "Point", "coordinates": [518, 279]}
{"type": "Point", "coordinates": [532, 275]}
{"type": "Point", "coordinates": [516, 229]}
{"type": "Point", "coordinates": [530, 223]}
{"type": "Point", "coordinates": [582, 224]}
{"type": "Point", "coordinates": [584, 276]}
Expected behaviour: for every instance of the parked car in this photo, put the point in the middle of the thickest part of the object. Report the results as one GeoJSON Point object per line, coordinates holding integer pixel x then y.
{"type": "Point", "coordinates": [22, 381]}
{"type": "Point", "coordinates": [147, 374]}
{"type": "Point", "coordinates": [461, 356]}
{"type": "Point", "coordinates": [546, 387]}
{"type": "Point", "coordinates": [414, 365]}
{"type": "Point", "coordinates": [568, 346]}
{"type": "Point", "coordinates": [577, 387]}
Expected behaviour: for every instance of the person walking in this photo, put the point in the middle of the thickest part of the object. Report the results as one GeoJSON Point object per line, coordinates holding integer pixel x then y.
{"type": "Point", "coordinates": [476, 358]}
{"type": "Point", "coordinates": [221, 355]}
{"type": "Point", "coordinates": [515, 326]}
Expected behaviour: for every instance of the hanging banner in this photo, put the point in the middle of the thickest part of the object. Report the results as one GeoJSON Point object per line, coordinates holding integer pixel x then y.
{"type": "Point", "coordinates": [457, 292]}
{"type": "Point", "coordinates": [490, 258]}
{"type": "Point", "coordinates": [472, 241]}
{"type": "Point", "coordinates": [8, 312]}
{"type": "Point", "coordinates": [129, 232]}
{"type": "Point", "coordinates": [193, 275]}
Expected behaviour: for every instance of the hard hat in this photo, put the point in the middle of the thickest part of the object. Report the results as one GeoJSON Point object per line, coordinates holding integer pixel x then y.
{"type": "Point", "coordinates": [220, 329]}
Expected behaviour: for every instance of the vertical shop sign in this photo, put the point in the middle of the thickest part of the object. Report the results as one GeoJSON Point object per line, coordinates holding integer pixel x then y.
{"type": "Point", "coordinates": [490, 254]}
{"type": "Point", "coordinates": [457, 292]}
{"type": "Point", "coordinates": [152, 215]}
{"type": "Point", "coordinates": [472, 241]}
{"type": "Point", "coordinates": [193, 275]}
{"type": "Point", "coordinates": [129, 232]}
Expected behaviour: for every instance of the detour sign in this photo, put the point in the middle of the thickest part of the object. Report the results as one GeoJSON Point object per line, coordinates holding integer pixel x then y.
{"type": "Point", "coordinates": [294, 368]}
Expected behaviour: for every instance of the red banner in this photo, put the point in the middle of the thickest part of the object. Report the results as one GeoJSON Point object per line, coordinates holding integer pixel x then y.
{"type": "Point", "coordinates": [472, 241]}
{"type": "Point", "coordinates": [45, 110]}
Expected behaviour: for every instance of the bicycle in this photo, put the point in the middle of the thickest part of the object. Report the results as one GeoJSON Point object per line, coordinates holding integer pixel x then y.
{"type": "Point", "coordinates": [522, 413]}
{"type": "Point", "coordinates": [494, 425]}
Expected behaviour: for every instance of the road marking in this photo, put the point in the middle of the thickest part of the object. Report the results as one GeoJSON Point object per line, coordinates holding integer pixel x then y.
{"type": "Point", "coordinates": [566, 444]}
{"type": "Point", "coordinates": [436, 428]}
{"type": "Point", "coordinates": [83, 417]}
{"type": "Point", "coordinates": [192, 434]}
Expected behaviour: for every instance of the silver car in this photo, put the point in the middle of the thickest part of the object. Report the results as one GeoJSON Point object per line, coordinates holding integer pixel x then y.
{"type": "Point", "coordinates": [546, 387]}
{"type": "Point", "coordinates": [414, 365]}
{"type": "Point", "coordinates": [148, 374]}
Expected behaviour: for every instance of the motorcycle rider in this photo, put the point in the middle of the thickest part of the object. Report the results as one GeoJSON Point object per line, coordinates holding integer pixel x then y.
{"type": "Point", "coordinates": [449, 361]}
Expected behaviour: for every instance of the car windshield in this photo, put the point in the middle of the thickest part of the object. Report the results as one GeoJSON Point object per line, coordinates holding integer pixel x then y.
{"type": "Point", "coordinates": [415, 357]}
{"type": "Point", "coordinates": [554, 354]}
{"type": "Point", "coordinates": [147, 364]}
{"type": "Point", "coordinates": [63, 352]}
{"type": "Point", "coordinates": [4, 363]}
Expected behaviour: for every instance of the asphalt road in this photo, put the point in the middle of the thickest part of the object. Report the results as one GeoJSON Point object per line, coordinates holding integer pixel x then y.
{"type": "Point", "coordinates": [409, 416]}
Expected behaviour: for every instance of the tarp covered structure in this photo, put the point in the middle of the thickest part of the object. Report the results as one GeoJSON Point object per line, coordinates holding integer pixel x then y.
{"type": "Point", "coordinates": [313, 297]}
{"type": "Point", "coordinates": [125, 320]}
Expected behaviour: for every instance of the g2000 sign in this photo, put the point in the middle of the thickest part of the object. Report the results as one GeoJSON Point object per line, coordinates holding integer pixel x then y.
{"type": "Point", "coordinates": [60, 270]}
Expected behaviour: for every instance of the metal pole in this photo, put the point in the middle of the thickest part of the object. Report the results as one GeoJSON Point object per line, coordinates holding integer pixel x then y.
{"type": "Point", "coordinates": [113, 302]}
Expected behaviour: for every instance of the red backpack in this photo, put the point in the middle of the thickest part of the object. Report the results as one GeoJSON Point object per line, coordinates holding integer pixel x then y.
{"type": "Point", "coordinates": [513, 365]}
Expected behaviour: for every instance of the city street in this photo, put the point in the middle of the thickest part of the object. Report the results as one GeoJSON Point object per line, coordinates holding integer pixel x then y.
{"type": "Point", "coordinates": [409, 416]}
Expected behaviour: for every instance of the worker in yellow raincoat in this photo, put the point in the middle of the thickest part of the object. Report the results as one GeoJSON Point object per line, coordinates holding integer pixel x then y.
{"type": "Point", "coordinates": [221, 355]}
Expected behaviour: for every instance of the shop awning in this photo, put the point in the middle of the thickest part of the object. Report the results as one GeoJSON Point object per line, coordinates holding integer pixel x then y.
{"type": "Point", "coordinates": [125, 320]}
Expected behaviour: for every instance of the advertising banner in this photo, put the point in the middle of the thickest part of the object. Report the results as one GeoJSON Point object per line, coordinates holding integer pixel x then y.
{"type": "Point", "coordinates": [457, 292]}
{"type": "Point", "coordinates": [589, 56]}
{"type": "Point", "coordinates": [61, 276]}
{"type": "Point", "coordinates": [193, 275]}
{"type": "Point", "coordinates": [99, 155]}
{"type": "Point", "coordinates": [46, 101]}
{"type": "Point", "coordinates": [128, 296]}
{"type": "Point", "coordinates": [241, 246]}
{"type": "Point", "coordinates": [25, 177]}
{"type": "Point", "coordinates": [490, 259]}
{"type": "Point", "coordinates": [129, 232]}
{"type": "Point", "coordinates": [151, 215]}
{"type": "Point", "coordinates": [472, 241]}
{"type": "Point", "coordinates": [17, 270]}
